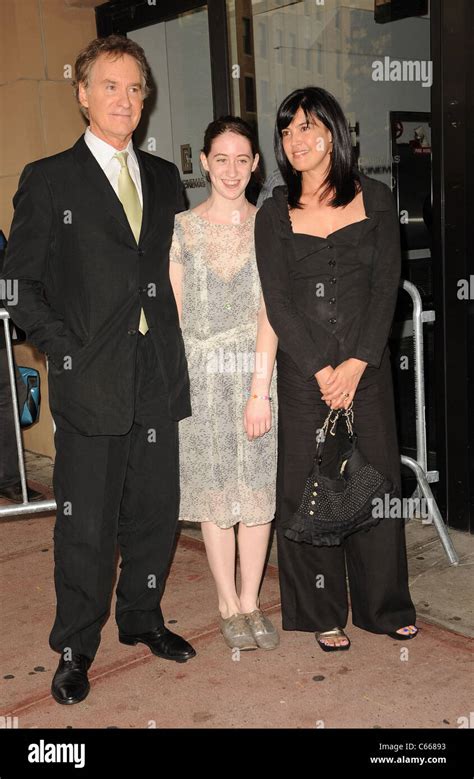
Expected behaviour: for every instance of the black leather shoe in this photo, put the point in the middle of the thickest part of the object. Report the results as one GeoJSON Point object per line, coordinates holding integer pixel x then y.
{"type": "Point", "coordinates": [70, 683]}
{"type": "Point", "coordinates": [14, 493]}
{"type": "Point", "coordinates": [162, 643]}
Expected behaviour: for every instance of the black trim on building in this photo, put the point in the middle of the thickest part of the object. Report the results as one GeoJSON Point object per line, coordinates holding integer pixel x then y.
{"type": "Point", "coordinates": [123, 16]}
{"type": "Point", "coordinates": [453, 253]}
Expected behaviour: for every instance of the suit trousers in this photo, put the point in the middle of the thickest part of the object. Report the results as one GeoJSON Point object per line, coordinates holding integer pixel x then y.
{"type": "Point", "coordinates": [116, 490]}
{"type": "Point", "coordinates": [313, 579]}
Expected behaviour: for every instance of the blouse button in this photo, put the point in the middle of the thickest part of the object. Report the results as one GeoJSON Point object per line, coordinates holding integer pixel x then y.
{"type": "Point", "coordinates": [332, 321]}
{"type": "Point", "coordinates": [333, 280]}
{"type": "Point", "coordinates": [332, 262]}
{"type": "Point", "coordinates": [332, 300]}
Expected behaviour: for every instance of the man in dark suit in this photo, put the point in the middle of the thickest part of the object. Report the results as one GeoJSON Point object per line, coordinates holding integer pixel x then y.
{"type": "Point", "coordinates": [89, 246]}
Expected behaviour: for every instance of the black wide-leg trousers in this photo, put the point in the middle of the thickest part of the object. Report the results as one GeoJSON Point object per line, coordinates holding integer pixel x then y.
{"type": "Point", "coordinates": [313, 579]}
{"type": "Point", "coordinates": [109, 490]}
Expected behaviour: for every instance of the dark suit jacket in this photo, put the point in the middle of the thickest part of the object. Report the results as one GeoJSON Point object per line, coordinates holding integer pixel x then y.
{"type": "Point", "coordinates": [82, 282]}
{"type": "Point", "coordinates": [332, 298]}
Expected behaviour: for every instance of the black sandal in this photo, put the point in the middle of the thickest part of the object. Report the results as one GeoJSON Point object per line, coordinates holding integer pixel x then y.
{"type": "Point", "coordinates": [338, 633]}
{"type": "Point", "coordinates": [401, 637]}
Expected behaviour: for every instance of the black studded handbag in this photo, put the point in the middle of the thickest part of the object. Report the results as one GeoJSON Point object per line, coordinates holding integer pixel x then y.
{"type": "Point", "coordinates": [333, 508]}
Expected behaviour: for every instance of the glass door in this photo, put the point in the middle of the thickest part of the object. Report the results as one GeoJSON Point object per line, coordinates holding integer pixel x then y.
{"type": "Point", "coordinates": [178, 39]}
{"type": "Point", "coordinates": [178, 53]}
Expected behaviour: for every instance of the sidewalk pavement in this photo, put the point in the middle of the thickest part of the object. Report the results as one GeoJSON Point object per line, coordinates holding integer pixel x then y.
{"type": "Point", "coordinates": [378, 683]}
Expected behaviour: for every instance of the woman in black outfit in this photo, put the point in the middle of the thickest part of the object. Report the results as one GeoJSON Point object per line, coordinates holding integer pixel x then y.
{"type": "Point", "coordinates": [328, 254]}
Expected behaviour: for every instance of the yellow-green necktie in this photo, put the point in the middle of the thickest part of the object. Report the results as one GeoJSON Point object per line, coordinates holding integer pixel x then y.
{"type": "Point", "coordinates": [128, 196]}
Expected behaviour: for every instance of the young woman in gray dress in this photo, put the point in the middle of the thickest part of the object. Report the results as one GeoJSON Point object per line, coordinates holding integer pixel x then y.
{"type": "Point", "coordinates": [228, 445]}
{"type": "Point", "coordinates": [328, 253]}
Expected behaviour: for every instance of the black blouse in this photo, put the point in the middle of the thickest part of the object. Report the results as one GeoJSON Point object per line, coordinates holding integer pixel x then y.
{"type": "Point", "coordinates": [332, 298]}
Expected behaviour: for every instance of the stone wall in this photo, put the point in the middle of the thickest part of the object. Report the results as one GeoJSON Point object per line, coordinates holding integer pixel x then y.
{"type": "Point", "coordinates": [39, 116]}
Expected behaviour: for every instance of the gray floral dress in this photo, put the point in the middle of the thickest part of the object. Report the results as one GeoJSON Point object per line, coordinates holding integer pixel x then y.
{"type": "Point", "coordinates": [225, 478]}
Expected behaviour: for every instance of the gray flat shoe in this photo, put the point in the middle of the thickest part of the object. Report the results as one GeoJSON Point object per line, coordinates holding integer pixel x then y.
{"type": "Point", "coordinates": [237, 633]}
{"type": "Point", "coordinates": [263, 630]}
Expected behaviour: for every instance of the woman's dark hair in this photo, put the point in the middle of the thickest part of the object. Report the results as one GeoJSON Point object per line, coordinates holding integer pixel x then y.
{"type": "Point", "coordinates": [236, 125]}
{"type": "Point", "coordinates": [342, 176]}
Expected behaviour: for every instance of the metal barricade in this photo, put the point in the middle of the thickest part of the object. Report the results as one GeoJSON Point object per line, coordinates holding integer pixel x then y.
{"type": "Point", "coordinates": [420, 466]}
{"type": "Point", "coordinates": [37, 506]}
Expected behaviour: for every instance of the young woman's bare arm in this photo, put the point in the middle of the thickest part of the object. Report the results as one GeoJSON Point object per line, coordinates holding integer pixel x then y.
{"type": "Point", "coordinates": [257, 415]}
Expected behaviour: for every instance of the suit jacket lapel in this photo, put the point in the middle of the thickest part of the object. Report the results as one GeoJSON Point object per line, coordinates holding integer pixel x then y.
{"type": "Point", "coordinates": [95, 176]}
{"type": "Point", "coordinates": [148, 192]}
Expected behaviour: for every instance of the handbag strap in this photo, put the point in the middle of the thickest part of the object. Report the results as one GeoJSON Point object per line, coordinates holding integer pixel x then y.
{"type": "Point", "coordinates": [329, 427]}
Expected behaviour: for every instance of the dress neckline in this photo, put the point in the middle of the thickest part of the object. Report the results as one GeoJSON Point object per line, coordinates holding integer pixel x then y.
{"type": "Point", "coordinates": [325, 238]}
{"type": "Point", "coordinates": [222, 224]}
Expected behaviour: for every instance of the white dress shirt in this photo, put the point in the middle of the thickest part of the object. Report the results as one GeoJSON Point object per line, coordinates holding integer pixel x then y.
{"type": "Point", "coordinates": [104, 154]}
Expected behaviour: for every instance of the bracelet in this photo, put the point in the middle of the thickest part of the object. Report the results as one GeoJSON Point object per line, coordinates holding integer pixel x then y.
{"type": "Point", "coordinates": [261, 397]}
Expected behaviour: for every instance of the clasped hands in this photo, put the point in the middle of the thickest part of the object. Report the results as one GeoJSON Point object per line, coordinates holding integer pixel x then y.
{"type": "Point", "coordinates": [338, 385]}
